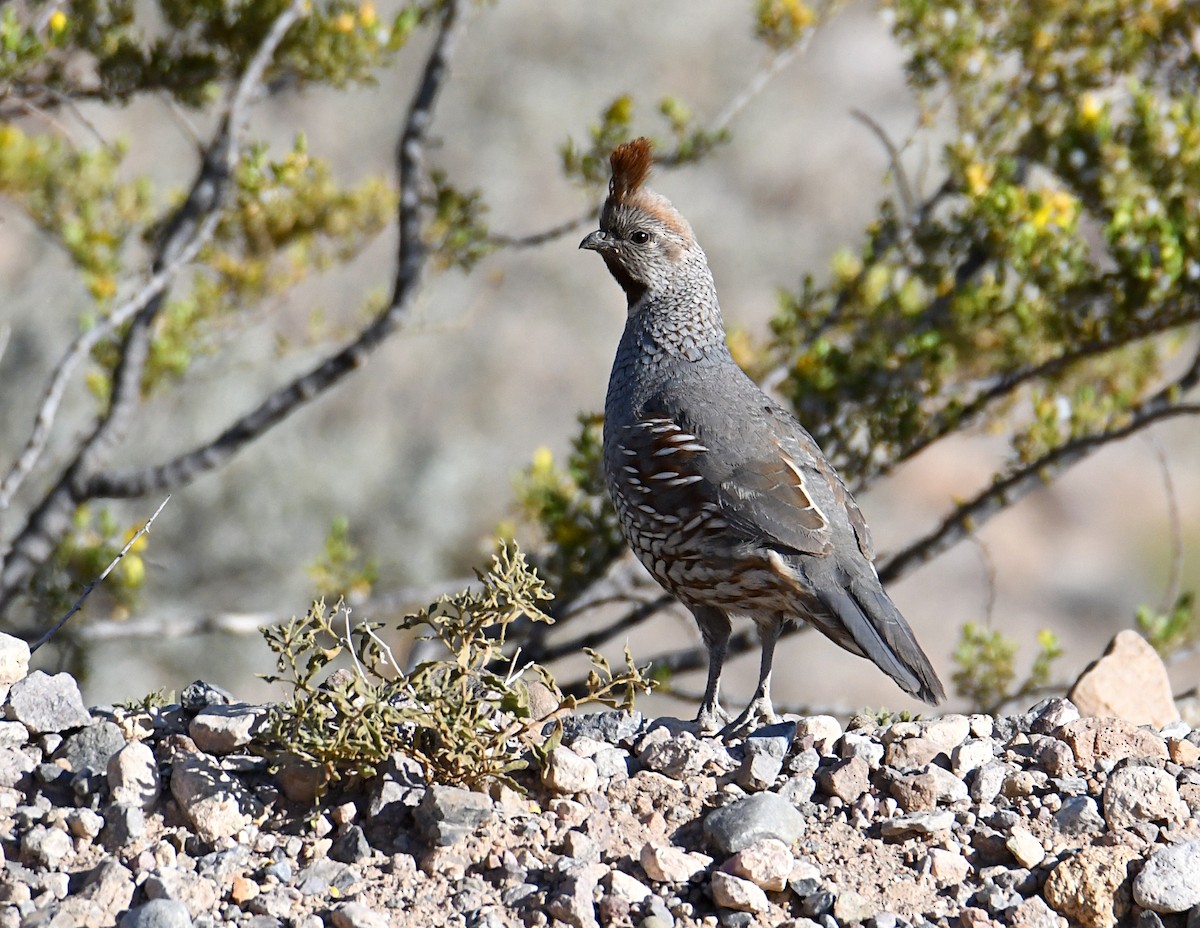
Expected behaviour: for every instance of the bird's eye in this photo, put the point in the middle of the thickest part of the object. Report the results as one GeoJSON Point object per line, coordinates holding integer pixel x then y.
{"type": "Point", "coordinates": [639, 237]}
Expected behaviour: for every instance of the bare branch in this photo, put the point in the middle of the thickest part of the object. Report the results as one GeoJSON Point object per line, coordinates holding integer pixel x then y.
{"type": "Point", "coordinates": [91, 586]}
{"type": "Point", "coordinates": [903, 187]}
{"type": "Point", "coordinates": [535, 239]}
{"type": "Point", "coordinates": [410, 263]}
{"type": "Point", "coordinates": [968, 517]}
{"type": "Point", "coordinates": [542, 653]}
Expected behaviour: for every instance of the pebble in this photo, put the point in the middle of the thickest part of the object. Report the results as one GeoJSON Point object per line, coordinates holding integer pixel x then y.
{"type": "Point", "coordinates": [1170, 881]}
{"type": "Point", "coordinates": [767, 864]}
{"type": "Point", "coordinates": [1142, 794]}
{"type": "Point", "coordinates": [742, 823]}
{"type": "Point", "coordinates": [157, 913]}
{"type": "Point", "coordinates": [668, 864]}
{"type": "Point", "coordinates": [733, 892]}
{"type": "Point", "coordinates": [567, 772]}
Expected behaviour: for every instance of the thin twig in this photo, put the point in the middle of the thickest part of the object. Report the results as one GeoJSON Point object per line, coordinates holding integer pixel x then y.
{"type": "Point", "coordinates": [1175, 526]}
{"type": "Point", "coordinates": [903, 187]}
{"type": "Point", "coordinates": [721, 121]}
{"type": "Point", "coordinates": [970, 516]}
{"type": "Point", "coordinates": [91, 586]}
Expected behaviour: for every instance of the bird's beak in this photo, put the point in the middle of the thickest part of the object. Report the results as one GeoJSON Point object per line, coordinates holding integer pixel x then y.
{"type": "Point", "coordinates": [595, 241]}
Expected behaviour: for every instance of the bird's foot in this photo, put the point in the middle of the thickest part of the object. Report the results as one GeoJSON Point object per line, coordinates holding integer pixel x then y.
{"type": "Point", "coordinates": [712, 719]}
{"type": "Point", "coordinates": [755, 716]}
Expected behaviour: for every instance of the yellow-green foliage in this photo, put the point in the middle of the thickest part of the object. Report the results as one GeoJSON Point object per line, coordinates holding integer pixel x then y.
{"type": "Point", "coordinates": [1173, 630]}
{"type": "Point", "coordinates": [342, 573]}
{"type": "Point", "coordinates": [83, 554]}
{"type": "Point", "coordinates": [465, 717]}
{"type": "Point", "coordinates": [987, 675]}
{"type": "Point", "coordinates": [1064, 235]}
{"type": "Point", "coordinates": [571, 508]}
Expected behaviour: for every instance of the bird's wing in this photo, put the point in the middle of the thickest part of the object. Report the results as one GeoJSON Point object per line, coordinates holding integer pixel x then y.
{"type": "Point", "coordinates": [771, 485]}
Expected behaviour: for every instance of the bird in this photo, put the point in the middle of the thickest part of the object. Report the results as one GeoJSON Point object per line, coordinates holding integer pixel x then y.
{"type": "Point", "coordinates": [720, 492]}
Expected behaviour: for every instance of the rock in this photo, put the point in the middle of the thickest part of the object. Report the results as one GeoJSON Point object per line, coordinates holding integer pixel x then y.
{"type": "Point", "coordinates": [1034, 913]}
{"type": "Point", "coordinates": [447, 814]}
{"type": "Point", "coordinates": [669, 864]}
{"type": "Point", "coordinates": [1079, 815]}
{"type": "Point", "coordinates": [301, 780]}
{"type": "Point", "coordinates": [133, 778]}
{"type": "Point", "coordinates": [989, 779]}
{"type": "Point", "coordinates": [823, 729]}
{"type": "Point", "coordinates": [927, 789]}
{"type": "Point", "coordinates": [198, 894]}
{"type": "Point", "coordinates": [573, 902]}
{"type": "Point", "coordinates": [1093, 886]}
{"type": "Point", "coordinates": [1142, 794]}
{"type": "Point", "coordinates": [1129, 682]}
{"type": "Point", "coordinates": [949, 868]}
{"type": "Point", "coordinates": [14, 661]}
{"type": "Point", "coordinates": [1183, 752]}
{"type": "Point", "coordinates": [45, 703]}
{"type": "Point", "coordinates": [850, 908]}
{"type": "Point", "coordinates": [1025, 848]}
{"type": "Point", "coordinates": [619, 726]}
{"type": "Point", "coordinates": [624, 886]}
{"type": "Point", "coordinates": [1170, 881]}
{"type": "Point", "coordinates": [222, 729]}
{"type": "Point", "coordinates": [46, 847]}
{"type": "Point", "coordinates": [971, 755]}
{"type": "Point", "coordinates": [198, 695]}
{"type": "Point", "coordinates": [732, 892]}
{"type": "Point", "coordinates": [90, 747]}
{"type": "Point", "coordinates": [917, 823]}
{"type": "Point", "coordinates": [157, 913]}
{"type": "Point", "coordinates": [566, 772]}
{"type": "Point", "coordinates": [767, 864]}
{"type": "Point", "coordinates": [351, 847]}
{"type": "Point", "coordinates": [1092, 739]}
{"type": "Point", "coordinates": [742, 823]}
{"type": "Point", "coordinates": [847, 779]}
{"type": "Point", "coordinates": [216, 804]}
{"type": "Point", "coordinates": [357, 915]}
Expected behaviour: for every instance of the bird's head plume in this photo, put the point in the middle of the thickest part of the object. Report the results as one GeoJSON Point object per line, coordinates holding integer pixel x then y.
{"type": "Point", "coordinates": [642, 238]}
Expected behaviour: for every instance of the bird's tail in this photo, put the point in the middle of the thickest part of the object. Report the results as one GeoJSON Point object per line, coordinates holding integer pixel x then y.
{"type": "Point", "coordinates": [876, 630]}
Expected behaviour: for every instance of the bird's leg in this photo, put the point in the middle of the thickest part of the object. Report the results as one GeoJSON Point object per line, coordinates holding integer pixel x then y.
{"type": "Point", "coordinates": [714, 629]}
{"type": "Point", "coordinates": [759, 712]}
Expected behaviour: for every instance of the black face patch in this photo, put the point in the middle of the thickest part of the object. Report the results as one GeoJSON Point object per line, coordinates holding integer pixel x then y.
{"type": "Point", "coordinates": [634, 289]}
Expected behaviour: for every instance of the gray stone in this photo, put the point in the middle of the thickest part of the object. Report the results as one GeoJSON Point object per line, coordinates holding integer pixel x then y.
{"type": "Point", "coordinates": [742, 823]}
{"type": "Point", "coordinates": [157, 913]}
{"type": "Point", "coordinates": [1170, 881]}
{"type": "Point", "coordinates": [616, 727]}
{"type": "Point", "coordinates": [357, 915]}
{"type": "Point", "coordinates": [123, 824]}
{"type": "Point", "coordinates": [45, 847]}
{"type": "Point", "coordinates": [225, 728]}
{"type": "Point", "coordinates": [216, 804]}
{"type": "Point", "coordinates": [917, 823]}
{"type": "Point", "coordinates": [858, 744]}
{"type": "Point", "coordinates": [15, 764]}
{"type": "Point", "coordinates": [198, 894]}
{"type": "Point", "coordinates": [928, 788]}
{"type": "Point", "coordinates": [133, 777]}
{"type": "Point", "coordinates": [758, 771]}
{"type": "Point", "coordinates": [1079, 815]}
{"type": "Point", "coordinates": [45, 703]}
{"type": "Point", "coordinates": [1049, 715]}
{"type": "Point", "coordinates": [199, 695]}
{"type": "Point", "coordinates": [447, 814]}
{"type": "Point", "coordinates": [1142, 794]}
{"type": "Point", "coordinates": [91, 747]}
{"type": "Point", "coordinates": [351, 847]}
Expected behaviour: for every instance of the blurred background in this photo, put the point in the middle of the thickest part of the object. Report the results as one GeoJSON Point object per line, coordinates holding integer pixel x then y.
{"type": "Point", "coordinates": [419, 449]}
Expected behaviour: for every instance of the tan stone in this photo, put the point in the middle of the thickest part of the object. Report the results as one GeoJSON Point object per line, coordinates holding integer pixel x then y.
{"type": "Point", "coordinates": [1129, 682]}
{"type": "Point", "coordinates": [1092, 739]}
{"type": "Point", "coordinates": [1093, 887]}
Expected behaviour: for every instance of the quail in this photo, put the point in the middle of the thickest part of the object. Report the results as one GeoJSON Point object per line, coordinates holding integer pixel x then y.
{"type": "Point", "coordinates": [721, 493]}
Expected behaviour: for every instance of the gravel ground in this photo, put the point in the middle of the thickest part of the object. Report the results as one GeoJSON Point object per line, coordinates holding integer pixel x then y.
{"type": "Point", "coordinates": [165, 818]}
